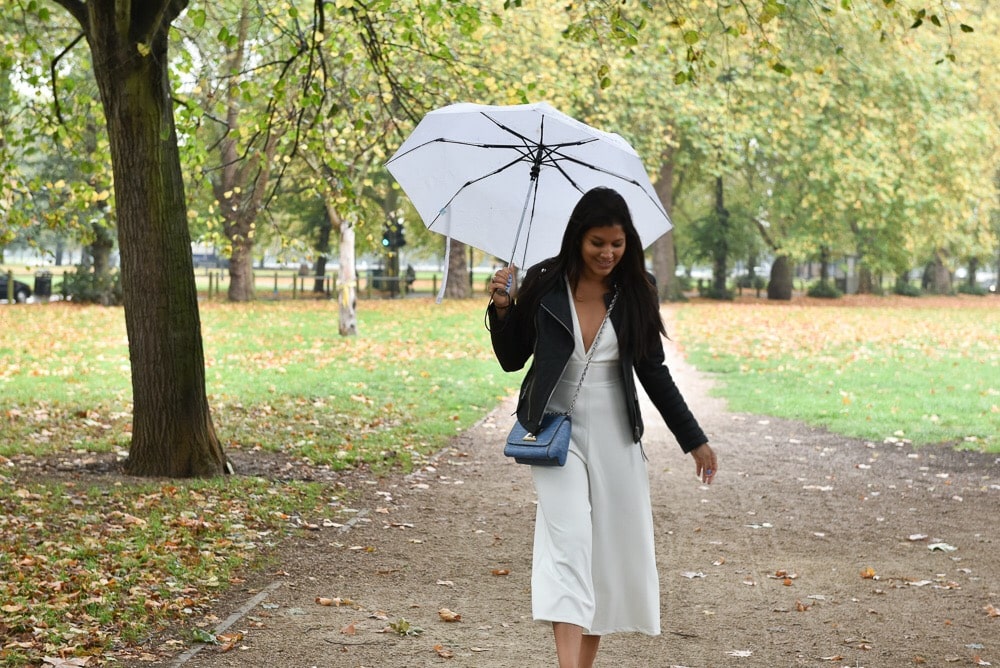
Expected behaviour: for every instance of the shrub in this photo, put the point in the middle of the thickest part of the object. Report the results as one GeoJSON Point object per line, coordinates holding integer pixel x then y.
{"type": "Point", "coordinates": [824, 290]}
{"type": "Point", "coordinates": [906, 289]}
{"type": "Point", "coordinates": [977, 290]}
{"type": "Point", "coordinates": [746, 282]}
{"type": "Point", "coordinates": [83, 285]}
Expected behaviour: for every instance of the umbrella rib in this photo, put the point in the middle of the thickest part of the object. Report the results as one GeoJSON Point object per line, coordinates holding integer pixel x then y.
{"type": "Point", "coordinates": [554, 162]}
{"type": "Point", "coordinates": [525, 151]}
{"type": "Point", "coordinates": [469, 183]}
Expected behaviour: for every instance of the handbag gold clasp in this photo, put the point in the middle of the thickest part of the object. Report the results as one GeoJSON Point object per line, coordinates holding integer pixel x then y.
{"type": "Point", "coordinates": [530, 437]}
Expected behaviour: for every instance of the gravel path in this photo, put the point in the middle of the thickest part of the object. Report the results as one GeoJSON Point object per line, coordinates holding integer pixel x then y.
{"type": "Point", "coordinates": [810, 549]}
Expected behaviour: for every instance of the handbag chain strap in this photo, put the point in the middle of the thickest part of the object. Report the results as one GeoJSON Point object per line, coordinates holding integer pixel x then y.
{"type": "Point", "coordinates": [590, 355]}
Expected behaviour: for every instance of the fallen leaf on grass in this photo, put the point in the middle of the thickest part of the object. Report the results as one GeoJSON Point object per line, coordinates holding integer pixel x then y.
{"type": "Point", "coordinates": [992, 610]}
{"type": "Point", "coordinates": [446, 583]}
{"type": "Point", "coordinates": [59, 663]}
{"type": "Point", "coordinates": [449, 616]}
{"type": "Point", "coordinates": [869, 574]}
{"type": "Point", "coordinates": [349, 630]}
{"type": "Point", "coordinates": [690, 575]}
{"type": "Point", "coordinates": [501, 571]}
{"type": "Point", "coordinates": [835, 657]}
{"type": "Point", "coordinates": [740, 652]}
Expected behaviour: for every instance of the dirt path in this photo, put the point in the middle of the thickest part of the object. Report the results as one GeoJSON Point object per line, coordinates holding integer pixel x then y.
{"type": "Point", "coordinates": [810, 550]}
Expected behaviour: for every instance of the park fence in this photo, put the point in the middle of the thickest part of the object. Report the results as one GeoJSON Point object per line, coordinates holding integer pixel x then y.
{"type": "Point", "coordinates": [369, 284]}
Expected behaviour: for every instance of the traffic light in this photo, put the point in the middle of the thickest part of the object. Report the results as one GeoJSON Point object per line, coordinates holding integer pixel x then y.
{"type": "Point", "coordinates": [392, 236]}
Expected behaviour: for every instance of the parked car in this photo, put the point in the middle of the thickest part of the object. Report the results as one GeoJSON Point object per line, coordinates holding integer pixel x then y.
{"type": "Point", "coordinates": [21, 290]}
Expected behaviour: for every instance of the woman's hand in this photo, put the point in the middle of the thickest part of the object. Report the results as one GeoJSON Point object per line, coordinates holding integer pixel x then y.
{"type": "Point", "coordinates": [500, 286]}
{"type": "Point", "coordinates": [706, 465]}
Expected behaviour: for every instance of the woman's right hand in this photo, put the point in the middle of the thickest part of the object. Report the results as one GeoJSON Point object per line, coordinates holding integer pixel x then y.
{"type": "Point", "coordinates": [500, 286]}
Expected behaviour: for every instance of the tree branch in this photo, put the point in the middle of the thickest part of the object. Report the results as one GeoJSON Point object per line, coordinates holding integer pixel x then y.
{"type": "Point", "coordinates": [52, 73]}
{"type": "Point", "coordinates": [77, 8]}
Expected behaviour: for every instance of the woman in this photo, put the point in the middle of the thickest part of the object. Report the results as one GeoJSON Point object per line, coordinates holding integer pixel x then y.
{"type": "Point", "coordinates": [593, 568]}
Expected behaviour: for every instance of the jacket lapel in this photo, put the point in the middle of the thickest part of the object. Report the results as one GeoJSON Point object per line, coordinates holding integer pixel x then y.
{"type": "Point", "coordinates": [557, 303]}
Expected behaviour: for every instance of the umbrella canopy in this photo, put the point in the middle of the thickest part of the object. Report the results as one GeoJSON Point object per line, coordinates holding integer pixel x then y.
{"type": "Point", "coordinates": [505, 179]}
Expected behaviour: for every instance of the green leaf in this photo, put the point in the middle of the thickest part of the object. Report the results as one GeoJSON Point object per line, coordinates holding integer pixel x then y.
{"type": "Point", "coordinates": [680, 78]}
{"type": "Point", "coordinates": [965, 28]}
{"type": "Point", "coordinates": [781, 68]}
{"type": "Point", "coordinates": [935, 20]}
{"type": "Point", "coordinates": [197, 17]}
{"type": "Point", "coordinates": [691, 37]}
{"type": "Point", "coordinates": [201, 635]}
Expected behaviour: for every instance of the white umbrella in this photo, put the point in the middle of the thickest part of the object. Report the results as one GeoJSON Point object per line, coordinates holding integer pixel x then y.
{"type": "Point", "coordinates": [505, 179]}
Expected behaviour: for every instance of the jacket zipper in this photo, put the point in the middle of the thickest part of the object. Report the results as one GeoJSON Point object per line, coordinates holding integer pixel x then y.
{"type": "Point", "coordinates": [554, 387]}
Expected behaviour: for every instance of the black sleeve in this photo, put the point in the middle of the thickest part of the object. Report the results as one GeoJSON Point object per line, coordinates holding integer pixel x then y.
{"type": "Point", "coordinates": [512, 338]}
{"type": "Point", "coordinates": [659, 385]}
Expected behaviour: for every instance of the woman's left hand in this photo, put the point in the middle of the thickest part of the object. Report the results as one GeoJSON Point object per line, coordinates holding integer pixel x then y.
{"type": "Point", "coordinates": [706, 465]}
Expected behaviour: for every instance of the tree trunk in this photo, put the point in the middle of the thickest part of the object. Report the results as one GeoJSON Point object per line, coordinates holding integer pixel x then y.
{"type": "Point", "coordinates": [323, 252]}
{"type": "Point", "coordinates": [866, 281]}
{"type": "Point", "coordinates": [824, 265]}
{"type": "Point", "coordinates": [664, 252]}
{"type": "Point", "coordinates": [458, 272]}
{"type": "Point", "coordinates": [242, 285]}
{"type": "Point", "coordinates": [100, 251]}
{"type": "Point", "coordinates": [780, 285]}
{"type": "Point", "coordinates": [347, 279]}
{"type": "Point", "coordinates": [172, 431]}
{"type": "Point", "coordinates": [973, 268]}
{"type": "Point", "coordinates": [937, 277]}
{"type": "Point", "coordinates": [720, 253]}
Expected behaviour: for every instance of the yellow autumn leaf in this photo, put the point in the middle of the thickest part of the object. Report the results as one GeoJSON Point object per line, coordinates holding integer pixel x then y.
{"type": "Point", "coordinates": [449, 616]}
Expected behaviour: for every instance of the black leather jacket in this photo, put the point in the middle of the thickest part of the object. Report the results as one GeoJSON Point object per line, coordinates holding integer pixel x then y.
{"type": "Point", "coordinates": [551, 341]}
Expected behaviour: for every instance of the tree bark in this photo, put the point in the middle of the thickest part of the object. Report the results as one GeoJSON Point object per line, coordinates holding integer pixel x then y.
{"type": "Point", "coordinates": [458, 272]}
{"type": "Point", "coordinates": [664, 252]}
{"type": "Point", "coordinates": [866, 281]}
{"type": "Point", "coordinates": [347, 279]}
{"type": "Point", "coordinates": [973, 269]}
{"type": "Point", "coordinates": [720, 253]}
{"type": "Point", "coordinates": [937, 275]}
{"type": "Point", "coordinates": [323, 253]}
{"type": "Point", "coordinates": [824, 265]}
{"type": "Point", "coordinates": [780, 285]}
{"type": "Point", "coordinates": [172, 430]}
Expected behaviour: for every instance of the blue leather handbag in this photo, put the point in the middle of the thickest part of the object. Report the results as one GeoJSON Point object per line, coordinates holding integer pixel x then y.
{"type": "Point", "coordinates": [549, 447]}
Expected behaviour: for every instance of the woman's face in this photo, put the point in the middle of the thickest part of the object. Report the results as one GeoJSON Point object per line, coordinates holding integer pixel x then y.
{"type": "Point", "coordinates": [601, 250]}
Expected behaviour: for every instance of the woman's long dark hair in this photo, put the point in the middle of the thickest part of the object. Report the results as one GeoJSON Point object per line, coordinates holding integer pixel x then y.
{"type": "Point", "coordinates": [637, 299]}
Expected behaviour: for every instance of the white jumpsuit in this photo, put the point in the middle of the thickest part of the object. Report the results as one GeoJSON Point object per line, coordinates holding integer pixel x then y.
{"type": "Point", "coordinates": [593, 563]}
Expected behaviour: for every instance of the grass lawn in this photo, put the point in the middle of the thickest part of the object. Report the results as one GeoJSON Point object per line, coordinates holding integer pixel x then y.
{"type": "Point", "coordinates": [278, 374]}
{"type": "Point", "coordinates": [925, 370]}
